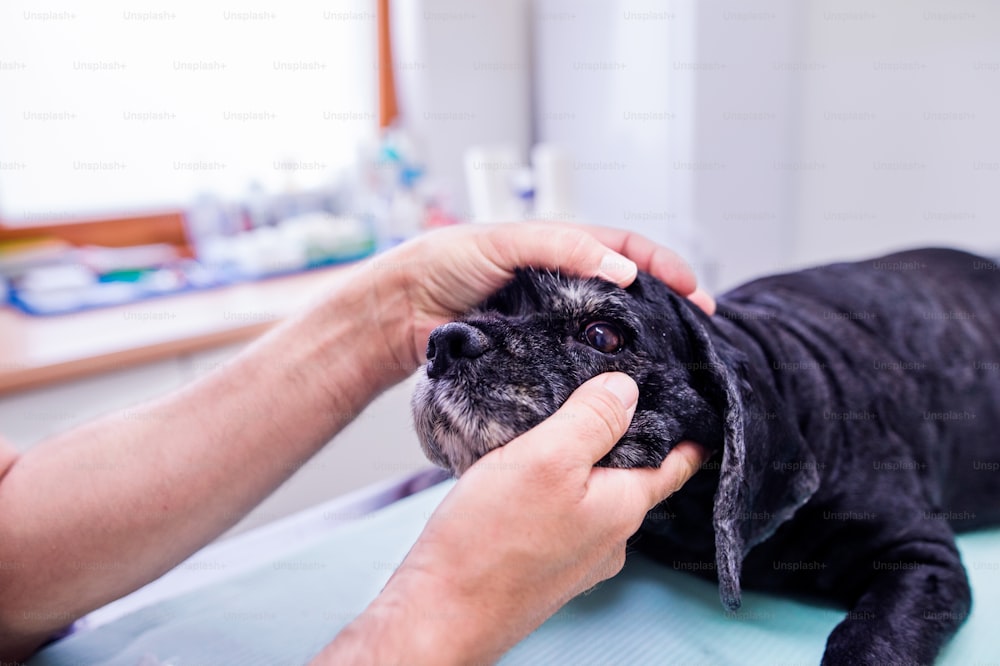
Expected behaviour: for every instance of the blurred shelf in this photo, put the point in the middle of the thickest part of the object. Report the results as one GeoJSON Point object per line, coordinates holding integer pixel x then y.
{"type": "Point", "coordinates": [36, 351]}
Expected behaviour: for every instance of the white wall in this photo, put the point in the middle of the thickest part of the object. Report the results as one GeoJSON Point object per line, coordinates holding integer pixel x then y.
{"type": "Point", "coordinates": [900, 118]}
{"type": "Point", "coordinates": [678, 115]}
{"type": "Point", "coordinates": [378, 445]}
{"type": "Point", "coordinates": [463, 74]}
{"type": "Point", "coordinates": [605, 94]}
{"type": "Point", "coordinates": [797, 132]}
{"type": "Point", "coordinates": [744, 160]}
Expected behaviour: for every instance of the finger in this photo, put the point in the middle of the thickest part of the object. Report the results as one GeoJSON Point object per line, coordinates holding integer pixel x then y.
{"type": "Point", "coordinates": [660, 262]}
{"type": "Point", "coordinates": [683, 461]}
{"type": "Point", "coordinates": [556, 247]}
{"type": "Point", "coordinates": [703, 300]}
{"type": "Point", "coordinates": [588, 424]}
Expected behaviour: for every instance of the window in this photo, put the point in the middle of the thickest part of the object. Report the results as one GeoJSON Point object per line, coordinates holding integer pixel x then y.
{"type": "Point", "coordinates": [107, 108]}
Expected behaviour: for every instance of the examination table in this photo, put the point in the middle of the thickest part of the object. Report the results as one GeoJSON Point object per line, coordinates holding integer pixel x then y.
{"type": "Point", "coordinates": [278, 594]}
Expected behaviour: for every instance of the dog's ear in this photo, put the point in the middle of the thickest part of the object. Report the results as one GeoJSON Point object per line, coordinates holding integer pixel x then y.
{"type": "Point", "coordinates": [767, 470]}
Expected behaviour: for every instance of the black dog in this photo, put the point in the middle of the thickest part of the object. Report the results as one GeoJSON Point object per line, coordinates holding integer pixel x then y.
{"type": "Point", "coordinates": [855, 407]}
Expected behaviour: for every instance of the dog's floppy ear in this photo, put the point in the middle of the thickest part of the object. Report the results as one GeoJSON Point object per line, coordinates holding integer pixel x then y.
{"type": "Point", "coordinates": [767, 471]}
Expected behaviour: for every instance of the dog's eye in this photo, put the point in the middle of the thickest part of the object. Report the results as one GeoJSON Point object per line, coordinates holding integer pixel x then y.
{"type": "Point", "coordinates": [603, 337]}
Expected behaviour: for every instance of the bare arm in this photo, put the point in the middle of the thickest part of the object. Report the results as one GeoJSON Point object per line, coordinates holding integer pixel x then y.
{"type": "Point", "coordinates": [95, 513]}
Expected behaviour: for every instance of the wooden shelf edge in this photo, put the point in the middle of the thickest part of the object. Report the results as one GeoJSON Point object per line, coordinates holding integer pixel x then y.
{"type": "Point", "coordinates": [164, 227]}
{"type": "Point", "coordinates": [16, 381]}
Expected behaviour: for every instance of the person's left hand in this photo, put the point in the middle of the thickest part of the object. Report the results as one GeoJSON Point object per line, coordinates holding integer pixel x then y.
{"type": "Point", "coordinates": [442, 274]}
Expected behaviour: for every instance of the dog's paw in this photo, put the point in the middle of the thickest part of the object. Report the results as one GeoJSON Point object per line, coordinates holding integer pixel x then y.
{"type": "Point", "coordinates": [864, 639]}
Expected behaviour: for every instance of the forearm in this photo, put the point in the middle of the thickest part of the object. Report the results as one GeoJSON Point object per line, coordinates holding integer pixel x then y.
{"type": "Point", "coordinates": [99, 511]}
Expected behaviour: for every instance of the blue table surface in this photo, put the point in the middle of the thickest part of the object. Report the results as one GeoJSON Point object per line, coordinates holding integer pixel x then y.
{"type": "Point", "coordinates": [286, 611]}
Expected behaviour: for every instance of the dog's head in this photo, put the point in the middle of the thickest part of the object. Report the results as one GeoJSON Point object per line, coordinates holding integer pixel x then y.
{"type": "Point", "coordinates": [515, 359]}
{"type": "Point", "coordinates": [511, 362]}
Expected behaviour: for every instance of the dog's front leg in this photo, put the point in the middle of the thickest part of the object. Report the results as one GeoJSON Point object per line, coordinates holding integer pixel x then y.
{"type": "Point", "coordinates": [916, 598]}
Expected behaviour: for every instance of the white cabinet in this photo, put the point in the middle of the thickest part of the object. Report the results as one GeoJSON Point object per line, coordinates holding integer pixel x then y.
{"type": "Point", "coordinates": [379, 444]}
{"type": "Point", "coordinates": [29, 417]}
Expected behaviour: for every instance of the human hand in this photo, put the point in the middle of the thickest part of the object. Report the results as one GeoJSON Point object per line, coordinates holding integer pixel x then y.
{"type": "Point", "coordinates": [529, 526]}
{"type": "Point", "coordinates": [440, 275]}
{"type": "Point", "coordinates": [654, 259]}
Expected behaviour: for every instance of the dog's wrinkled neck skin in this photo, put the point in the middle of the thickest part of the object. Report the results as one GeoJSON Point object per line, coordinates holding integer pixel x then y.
{"type": "Point", "coordinates": [514, 360]}
{"type": "Point", "coordinates": [765, 462]}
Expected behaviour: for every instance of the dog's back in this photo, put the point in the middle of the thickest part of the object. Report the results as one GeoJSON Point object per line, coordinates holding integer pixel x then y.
{"type": "Point", "coordinates": [882, 379]}
{"type": "Point", "coordinates": [853, 411]}
{"type": "Point", "coordinates": [903, 353]}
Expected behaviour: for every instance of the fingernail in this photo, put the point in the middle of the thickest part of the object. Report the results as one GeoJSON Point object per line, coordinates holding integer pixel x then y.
{"type": "Point", "coordinates": [616, 268]}
{"type": "Point", "coordinates": [622, 387]}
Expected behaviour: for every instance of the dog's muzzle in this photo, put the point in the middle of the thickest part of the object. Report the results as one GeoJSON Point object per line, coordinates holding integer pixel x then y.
{"type": "Point", "coordinates": [451, 344]}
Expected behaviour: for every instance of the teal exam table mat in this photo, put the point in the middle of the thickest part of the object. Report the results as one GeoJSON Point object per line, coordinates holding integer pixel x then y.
{"type": "Point", "coordinates": [286, 611]}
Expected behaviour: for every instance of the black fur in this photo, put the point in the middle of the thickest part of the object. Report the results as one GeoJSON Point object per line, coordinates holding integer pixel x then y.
{"type": "Point", "coordinates": [854, 412]}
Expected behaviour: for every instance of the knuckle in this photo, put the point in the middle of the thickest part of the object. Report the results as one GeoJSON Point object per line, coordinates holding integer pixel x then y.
{"type": "Point", "coordinates": [616, 562]}
{"type": "Point", "coordinates": [670, 486]}
{"type": "Point", "coordinates": [492, 246]}
{"type": "Point", "coordinates": [548, 463]}
{"type": "Point", "coordinates": [604, 417]}
{"type": "Point", "coordinates": [578, 245]}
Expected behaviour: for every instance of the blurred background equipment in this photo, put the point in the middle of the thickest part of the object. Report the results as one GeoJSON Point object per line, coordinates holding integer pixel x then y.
{"type": "Point", "coordinates": [751, 139]}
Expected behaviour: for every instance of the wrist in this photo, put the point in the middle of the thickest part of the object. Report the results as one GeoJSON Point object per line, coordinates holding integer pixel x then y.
{"type": "Point", "coordinates": [387, 282]}
{"type": "Point", "coordinates": [379, 291]}
{"type": "Point", "coordinates": [415, 621]}
{"type": "Point", "coordinates": [360, 324]}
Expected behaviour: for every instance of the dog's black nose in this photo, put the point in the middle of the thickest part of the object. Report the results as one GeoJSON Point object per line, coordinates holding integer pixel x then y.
{"type": "Point", "coordinates": [451, 342]}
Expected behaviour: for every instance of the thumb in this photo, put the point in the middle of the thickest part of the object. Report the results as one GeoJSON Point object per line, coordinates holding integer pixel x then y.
{"type": "Point", "coordinates": [683, 462]}
{"type": "Point", "coordinates": [589, 423]}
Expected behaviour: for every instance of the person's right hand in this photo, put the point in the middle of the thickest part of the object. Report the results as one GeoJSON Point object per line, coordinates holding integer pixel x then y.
{"type": "Point", "coordinates": [526, 528]}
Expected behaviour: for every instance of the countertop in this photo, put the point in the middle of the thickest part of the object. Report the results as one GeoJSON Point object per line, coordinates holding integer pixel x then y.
{"type": "Point", "coordinates": [35, 351]}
